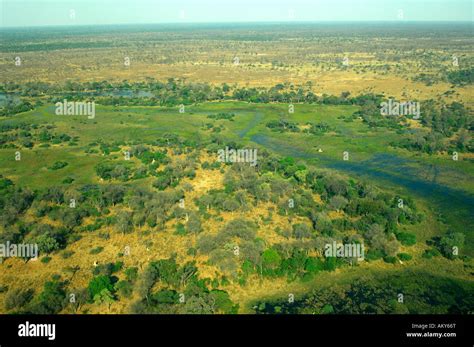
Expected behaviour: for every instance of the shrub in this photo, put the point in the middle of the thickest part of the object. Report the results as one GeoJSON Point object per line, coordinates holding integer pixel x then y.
{"type": "Point", "coordinates": [52, 299]}
{"type": "Point", "coordinates": [124, 289]}
{"type": "Point", "coordinates": [45, 260]}
{"type": "Point", "coordinates": [390, 259]}
{"type": "Point", "coordinates": [99, 283]}
{"type": "Point", "coordinates": [96, 250]}
{"type": "Point", "coordinates": [18, 298]}
{"type": "Point", "coordinates": [374, 254]}
{"type": "Point", "coordinates": [406, 239]}
{"type": "Point", "coordinates": [67, 254]}
{"type": "Point", "coordinates": [430, 253]}
{"type": "Point", "coordinates": [404, 256]}
{"type": "Point", "coordinates": [58, 165]}
{"type": "Point", "coordinates": [180, 229]}
{"type": "Point", "coordinates": [131, 274]}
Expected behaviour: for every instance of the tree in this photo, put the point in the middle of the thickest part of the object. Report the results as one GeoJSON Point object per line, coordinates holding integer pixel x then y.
{"type": "Point", "coordinates": [301, 231]}
{"type": "Point", "coordinates": [186, 273]}
{"type": "Point", "coordinates": [463, 140]}
{"type": "Point", "coordinates": [206, 200]}
{"type": "Point", "coordinates": [222, 302]}
{"type": "Point", "coordinates": [98, 283]}
{"type": "Point", "coordinates": [194, 223]}
{"type": "Point", "coordinates": [241, 228]}
{"type": "Point", "coordinates": [167, 271]}
{"type": "Point", "coordinates": [322, 223]}
{"type": "Point", "coordinates": [124, 222]}
{"type": "Point", "coordinates": [112, 194]}
{"type": "Point", "coordinates": [206, 243]}
{"type": "Point", "coordinates": [104, 297]}
{"type": "Point", "coordinates": [47, 244]}
{"type": "Point", "coordinates": [449, 244]}
{"type": "Point", "coordinates": [198, 305]}
{"type": "Point", "coordinates": [165, 296]}
{"type": "Point", "coordinates": [391, 246]}
{"type": "Point", "coordinates": [18, 298]}
{"type": "Point", "coordinates": [338, 202]}
{"type": "Point", "coordinates": [230, 204]}
{"type": "Point", "coordinates": [376, 236]}
{"type": "Point", "coordinates": [313, 265]}
{"type": "Point", "coordinates": [406, 239]}
{"type": "Point", "coordinates": [81, 297]}
{"type": "Point", "coordinates": [52, 299]}
{"type": "Point", "coordinates": [147, 280]}
{"type": "Point", "coordinates": [131, 274]}
{"type": "Point", "coordinates": [271, 260]}
{"type": "Point", "coordinates": [335, 185]}
{"type": "Point", "coordinates": [120, 172]}
{"type": "Point", "coordinates": [225, 260]}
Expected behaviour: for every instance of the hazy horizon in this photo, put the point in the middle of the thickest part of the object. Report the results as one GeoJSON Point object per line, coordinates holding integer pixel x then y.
{"type": "Point", "coordinates": [237, 23]}
{"type": "Point", "coordinates": [27, 13]}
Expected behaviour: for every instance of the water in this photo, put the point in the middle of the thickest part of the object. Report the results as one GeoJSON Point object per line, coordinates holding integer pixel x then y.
{"type": "Point", "coordinates": [455, 205]}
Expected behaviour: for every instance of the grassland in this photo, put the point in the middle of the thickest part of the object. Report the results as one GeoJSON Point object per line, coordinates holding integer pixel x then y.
{"type": "Point", "coordinates": [249, 126]}
{"type": "Point", "coordinates": [383, 58]}
{"type": "Point", "coordinates": [207, 71]}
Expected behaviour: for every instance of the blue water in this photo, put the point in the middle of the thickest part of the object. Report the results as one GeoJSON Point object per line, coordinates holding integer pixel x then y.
{"type": "Point", "coordinates": [455, 205]}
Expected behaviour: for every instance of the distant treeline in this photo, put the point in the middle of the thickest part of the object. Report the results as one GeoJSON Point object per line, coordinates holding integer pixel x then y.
{"type": "Point", "coordinates": [174, 92]}
{"type": "Point", "coordinates": [457, 77]}
{"type": "Point", "coordinates": [445, 127]}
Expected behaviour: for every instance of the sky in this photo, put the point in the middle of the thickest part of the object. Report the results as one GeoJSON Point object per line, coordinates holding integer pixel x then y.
{"type": "Point", "coordinates": [21, 13]}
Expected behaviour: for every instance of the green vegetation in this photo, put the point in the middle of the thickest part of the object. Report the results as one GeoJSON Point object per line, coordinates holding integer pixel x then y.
{"type": "Point", "coordinates": [133, 211]}
{"type": "Point", "coordinates": [422, 294]}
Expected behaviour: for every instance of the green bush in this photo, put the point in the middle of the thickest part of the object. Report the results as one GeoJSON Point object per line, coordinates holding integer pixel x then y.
{"type": "Point", "coordinates": [96, 250]}
{"type": "Point", "coordinates": [18, 298]}
{"type": "Point", "coordinates": [406, 239]}
{"type": "Point", "coordinates": [45, 260]}
{"type": "Point", "coordinates": [58, 165]}
{"type": "Point", "coordinates": [404, 256]}
{"type": "Point", "coordinates": [430, 253]}
{"type": "Point", "coordinates": [390, 259]}
{"type": "Point", "coordinates": [99, 283]}
{"type": "Point", "coordinates": [374, 254]}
